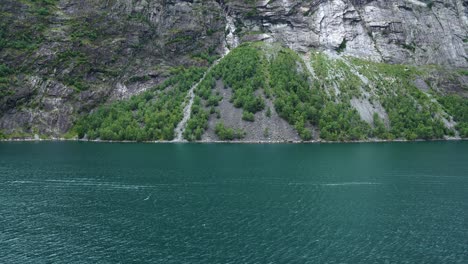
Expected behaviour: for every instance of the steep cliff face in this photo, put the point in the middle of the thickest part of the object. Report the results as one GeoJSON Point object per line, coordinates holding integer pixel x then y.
{"type": "Point", "coordinates": [67, 57]}
{"type": "Point", "coordinates": [397, 31]}
{"type": "Point", "coordinates": [61, 59]}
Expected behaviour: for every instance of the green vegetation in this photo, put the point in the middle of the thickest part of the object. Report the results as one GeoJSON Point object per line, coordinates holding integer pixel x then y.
{"type": "Point", "coordinates": [342, 46]}
{"type": "Point", "coordinates": [337, 119]}
{"type": "Point", "coordinates": [380, 131]}
{"type": "Point", "coordinates": [138, 17]}
{"type": "Point", "coordinates": [152, 115]}
{"type": "Point", "coordinates": [5, 80]}
{"type": "Point", "coordinates": [177, 39]}
{"type": "Point", "coordinates": [81, 66]}
{"type": "Point", "coordinates": [135, 79]}
{"type": "Point", "coordinates": [457, 107]}
{"type": "Point", "coordinates": [341, 122]}
{"type": "Point", "coordinates": [321, 101]}
{"type": "Point", "coordinates": [26, 34]}
{"type": "Point", "coordinates": [21, 36]}
{"type": "Point", "coordinates": [198, 122]}
{"type": "Point", "coordinates": [15, 135]}
{"type": "Point", "coordinates": [206, 56]}
{"type": "Point", "coordinates": [247, 116]}
{"type": "Point", "coordinates": [242, 71]}
{"type": "Point", "coordinates": [251, 13]}
{"type": "Point", "coordinates": [5, 70]}
{"type": "Point", "coordinates": [463, 72]}
{"type": "Point", "coordinates": [411, 47]}
{"type": "Point", "coordinates": [83, 31]}
{"type": "Point", "coordinates": [430, 4]}
{"type": "Point", "coordinates": [412, 114]}
{"type": "Point", "coordinates": [407, 121]}
{"type": "Point", "coordinates": [227, 133]}
{"type": "Point", "coordinates": [268, 112]}
{"type": "Point", "coordinates": [294, 101]}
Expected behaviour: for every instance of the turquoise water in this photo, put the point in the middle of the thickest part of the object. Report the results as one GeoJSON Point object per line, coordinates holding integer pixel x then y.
{"type": "Point", "coordinates": [76, 202]}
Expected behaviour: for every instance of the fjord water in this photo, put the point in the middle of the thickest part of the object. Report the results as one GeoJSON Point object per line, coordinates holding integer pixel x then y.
{"type": "Point", "coordinates": [76, 202]}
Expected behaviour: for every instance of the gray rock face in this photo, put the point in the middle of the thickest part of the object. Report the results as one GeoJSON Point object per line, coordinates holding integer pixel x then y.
{"type": "Point", "coordinates": [396, 31]}
{"type": "Point", "coordinates": [265, 128]}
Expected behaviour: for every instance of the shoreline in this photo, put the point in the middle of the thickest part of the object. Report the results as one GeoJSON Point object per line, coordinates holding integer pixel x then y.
{"type": "Point", "coordinates": [233, 142]}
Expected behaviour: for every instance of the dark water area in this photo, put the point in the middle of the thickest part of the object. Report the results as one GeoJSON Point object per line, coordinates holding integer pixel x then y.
{"type": "Point", "coordinates": [78, 202]}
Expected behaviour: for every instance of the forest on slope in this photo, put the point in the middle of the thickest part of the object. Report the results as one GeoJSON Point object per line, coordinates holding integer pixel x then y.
{"type": "Point", "coordinates": [333, 98]}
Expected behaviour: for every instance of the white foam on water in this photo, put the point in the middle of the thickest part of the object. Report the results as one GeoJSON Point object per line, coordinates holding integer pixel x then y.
{"type": "Point", "coordinates": [21, 182]}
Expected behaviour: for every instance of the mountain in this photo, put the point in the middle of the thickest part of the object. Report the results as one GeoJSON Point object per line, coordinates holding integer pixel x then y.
{"type": "Point", "coordinates": [234, 70]}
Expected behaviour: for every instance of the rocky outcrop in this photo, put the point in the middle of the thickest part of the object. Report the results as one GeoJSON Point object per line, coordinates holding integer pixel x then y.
{"type": "Point", "coordinates": [397, 31]}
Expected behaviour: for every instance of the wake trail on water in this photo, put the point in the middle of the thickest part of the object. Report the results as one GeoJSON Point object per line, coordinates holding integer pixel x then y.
{"type": "Point", "coordinates": [335, 184]}
{"type": "Point", "coordinates": [100, 185]}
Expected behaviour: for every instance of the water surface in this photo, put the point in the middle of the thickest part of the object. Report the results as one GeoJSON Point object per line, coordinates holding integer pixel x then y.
{"type": "Point", "coordinates": [76, 202]}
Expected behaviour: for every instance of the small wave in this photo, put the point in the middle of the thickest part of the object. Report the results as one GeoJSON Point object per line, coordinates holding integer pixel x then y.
{"type": "Point", "coordinates": [21, 182]}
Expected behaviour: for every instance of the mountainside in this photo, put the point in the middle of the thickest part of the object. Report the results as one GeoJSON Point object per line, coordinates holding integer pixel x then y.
{"type": "Point", "coordinates": [401, 31]}
{"type": "Point", "coordinates": [177, 70]}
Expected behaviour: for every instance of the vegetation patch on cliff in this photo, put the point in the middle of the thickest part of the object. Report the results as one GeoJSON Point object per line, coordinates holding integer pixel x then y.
{"type": "Point", "coordinates": [150, 116]}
